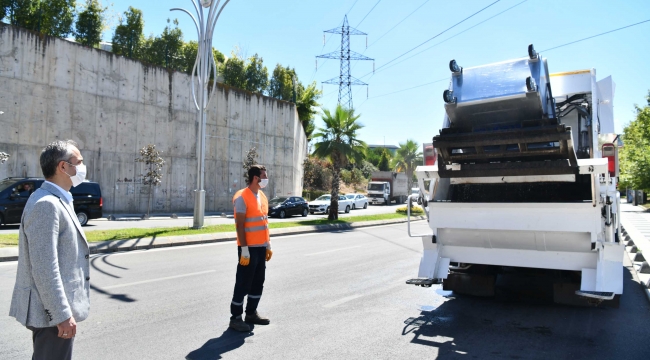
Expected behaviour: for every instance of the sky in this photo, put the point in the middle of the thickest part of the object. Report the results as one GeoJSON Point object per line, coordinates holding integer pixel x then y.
{"type": "Point", "coordinates": [404, 97]}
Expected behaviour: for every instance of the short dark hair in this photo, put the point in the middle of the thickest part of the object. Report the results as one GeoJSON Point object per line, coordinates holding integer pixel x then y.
{"type": "Point", "coordinates": [54, 153]}
{"type": "Point", "coordinates": [255, 170]}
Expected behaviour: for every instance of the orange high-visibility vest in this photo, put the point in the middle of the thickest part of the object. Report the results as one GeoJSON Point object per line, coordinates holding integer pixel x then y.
{"type": "Point", "coordinates": [256, 225]}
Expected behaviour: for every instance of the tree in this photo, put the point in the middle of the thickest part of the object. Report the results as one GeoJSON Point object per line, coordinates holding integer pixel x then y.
{"type": "Point", "coordinates": [256, 75]}
{"type": "Point", "coordinates": [250, 160]}
{"type": "Point", "coordinates": [635, 154]}
{"type": "Point", "coordinates": [90, 23]}
{"type": "Point", "coordinates": [49, 17]}
{"type": "Point", "coordinates": [384, 161]}
{"type": "Point", "coordinates": [189, 52]}
{"type": "Point", "coordinates": [234, 72]}
{"type": "Point", "coordinates": [306, 105]}
{"type": "Point", "coordinates": [153, 164]}
{"type": "Point", "coordinates": [165, 50]}
{"type": "Point", "coordinates": [407, 158]}
{"type": "Point", "coordinates": [128, 37]}
{"type": "Point", "coordinates": [339, 143]}
{"type": "Point", "coordinates": [281, 83]}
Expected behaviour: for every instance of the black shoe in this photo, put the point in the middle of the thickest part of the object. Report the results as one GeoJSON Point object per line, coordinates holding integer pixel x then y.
{"type": "Point", "coordinates": [257, 319]}
{"type": "Point", "coordinates": [239, 325]}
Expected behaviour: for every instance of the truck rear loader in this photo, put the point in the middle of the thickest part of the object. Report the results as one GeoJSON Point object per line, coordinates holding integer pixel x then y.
{"type": "Point", "coordinates": [522, 184]}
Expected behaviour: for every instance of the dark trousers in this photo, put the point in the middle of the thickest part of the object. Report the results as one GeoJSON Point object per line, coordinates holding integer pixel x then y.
{"type": "Point", "coordinates": [249, 281]}
{"type": "Point", "coordinates": [48, 345]}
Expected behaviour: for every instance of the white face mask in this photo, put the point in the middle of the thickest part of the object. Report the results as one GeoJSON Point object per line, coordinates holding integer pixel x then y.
{"type": "Point", "coordinates": [263, 183]}
{"type": "Point", "coordinates": [80, 176]}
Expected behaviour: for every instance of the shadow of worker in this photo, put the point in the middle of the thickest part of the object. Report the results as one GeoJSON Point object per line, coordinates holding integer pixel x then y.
{"type": "Point", "coordinates": [213, 348]}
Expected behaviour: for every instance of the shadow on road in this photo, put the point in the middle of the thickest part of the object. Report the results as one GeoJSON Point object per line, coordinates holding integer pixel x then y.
{"type": "Point", "coordinates": [486, 328]}
{"type": "Point", "coordinates": [213, 348]}
{"type": "Point", "coordinates": [119, 297]}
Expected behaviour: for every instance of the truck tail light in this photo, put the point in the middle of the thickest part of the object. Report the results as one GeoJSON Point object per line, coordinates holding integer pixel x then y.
{"type": "Point", "coordinates": [610, 151]}
{"type": "Point", "coordinates": [101, 201]}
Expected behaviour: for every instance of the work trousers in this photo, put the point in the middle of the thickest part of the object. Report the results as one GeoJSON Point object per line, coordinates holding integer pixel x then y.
{"type": "Point", "coordinates": [49, 346]}
{"type": "Point", "coordinates": [249, 281]}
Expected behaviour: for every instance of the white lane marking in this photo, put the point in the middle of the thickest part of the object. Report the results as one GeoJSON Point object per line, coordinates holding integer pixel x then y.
{"type": "Point", "coordinates": [156, 280]}
{"type": "Point", "coordinates": [329, 251]}
{"type": "Point", "coordinates": [398, 283]}
{"type": "Point", "coordinates": [341, 301]}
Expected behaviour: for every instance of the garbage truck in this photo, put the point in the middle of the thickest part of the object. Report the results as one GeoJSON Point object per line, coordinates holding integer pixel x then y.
{"type": "Point", "coordinates": [524, 182]}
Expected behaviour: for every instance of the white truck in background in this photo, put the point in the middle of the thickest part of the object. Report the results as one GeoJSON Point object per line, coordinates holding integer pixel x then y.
{"type": "Point", "coordinates": [522, 184]}
{"type": "Point", "coordinates": [388, 186]}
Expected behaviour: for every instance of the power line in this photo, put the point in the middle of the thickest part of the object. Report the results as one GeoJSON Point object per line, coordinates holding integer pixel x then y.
{"type": "Point", "coordinates": [413, 87]}
{"type": "Point", "coordinates": [444, 31]}
{"type": "Point", "coordinates": [391, 29]}
{"type": "Point", "coordinates": [453, 36]}
{"type": "Point", "coordinates": [591, 37]}
{"type": "Point", "coordinates": [373, 8]}
{"type": "Point", "coordinates": [351, 7]}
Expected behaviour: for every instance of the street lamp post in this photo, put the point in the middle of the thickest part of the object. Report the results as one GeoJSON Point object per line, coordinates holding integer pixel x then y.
{"type": "Point", "coordinates": [203, 67]}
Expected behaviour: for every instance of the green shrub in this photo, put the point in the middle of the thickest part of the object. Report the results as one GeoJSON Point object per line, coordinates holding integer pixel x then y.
{"type": "Point", "coordinates": [312, 194]}
{"type": "Point", "coordinates": [415, 210]}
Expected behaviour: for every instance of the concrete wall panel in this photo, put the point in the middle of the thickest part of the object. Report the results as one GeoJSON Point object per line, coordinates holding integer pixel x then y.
{"type": "Point", "coordinates": [112, 106]}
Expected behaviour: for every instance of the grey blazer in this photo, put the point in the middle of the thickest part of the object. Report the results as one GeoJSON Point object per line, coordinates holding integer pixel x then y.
{"type": "Point", "coordinates": [52, 280]}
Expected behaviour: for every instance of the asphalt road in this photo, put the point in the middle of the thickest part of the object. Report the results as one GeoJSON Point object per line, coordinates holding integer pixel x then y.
{"type": "Point", "coordinates": [329, 296]}
{"type": "Point", "coordinates": [165, 221]}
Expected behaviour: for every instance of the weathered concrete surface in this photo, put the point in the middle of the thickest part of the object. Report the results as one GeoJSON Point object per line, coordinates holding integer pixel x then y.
{"type": "Point", "coordinates": [112, 106]}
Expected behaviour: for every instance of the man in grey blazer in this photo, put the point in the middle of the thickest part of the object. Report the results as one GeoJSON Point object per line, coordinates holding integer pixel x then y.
{"type": "Point", "coordinates": [52, 291]}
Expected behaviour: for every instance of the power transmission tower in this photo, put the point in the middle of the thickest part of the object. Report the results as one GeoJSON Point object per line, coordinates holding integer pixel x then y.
{"type": "Point", "coordinates": [345, 80]}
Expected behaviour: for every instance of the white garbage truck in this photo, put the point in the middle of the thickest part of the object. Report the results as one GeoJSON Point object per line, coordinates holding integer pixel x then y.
{"type": "Point", "coordinates": [525, 180]}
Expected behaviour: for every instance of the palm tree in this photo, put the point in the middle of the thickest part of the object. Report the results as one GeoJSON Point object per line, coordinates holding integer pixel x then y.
{"type": "Point", "coordinates": [339, 144]}
{"type": "Point", "coordinates": [407, 158]}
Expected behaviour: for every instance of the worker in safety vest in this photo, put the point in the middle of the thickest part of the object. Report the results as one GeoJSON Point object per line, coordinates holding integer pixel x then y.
{"type": "Point", "coordinates": [254, 249]}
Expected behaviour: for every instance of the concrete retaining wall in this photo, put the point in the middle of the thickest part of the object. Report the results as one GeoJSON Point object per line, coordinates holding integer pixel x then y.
{"type": "Point", "coordinates": [112, 106]}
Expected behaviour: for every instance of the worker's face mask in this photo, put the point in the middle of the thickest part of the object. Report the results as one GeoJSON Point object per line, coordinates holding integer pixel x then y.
{"type": "Point", "coordinates": [263, 183]}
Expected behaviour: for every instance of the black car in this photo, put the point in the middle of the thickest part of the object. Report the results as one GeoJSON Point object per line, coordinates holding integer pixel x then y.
{"type": "Point", "coordinates": [284, 206]}
{"type": "Point", "coordinates": [14, 193]}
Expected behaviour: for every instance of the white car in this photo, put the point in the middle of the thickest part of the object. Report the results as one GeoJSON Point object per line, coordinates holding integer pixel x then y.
{"type": "Point", "coordinates": [358, 201]}
{"type": "Point", "coordinates": [322, 204]}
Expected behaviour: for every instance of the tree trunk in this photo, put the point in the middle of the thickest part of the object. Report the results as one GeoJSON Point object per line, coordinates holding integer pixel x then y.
{"type": "Point", "coordinates": [149, 204]}
{"type": "Point", "coordinates": [334, 202]}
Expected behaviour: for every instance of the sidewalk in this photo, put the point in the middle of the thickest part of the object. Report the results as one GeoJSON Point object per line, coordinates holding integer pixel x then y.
{"type": "Point", "coordinates": [635, 221]}
{"type": "Point", "coordinates": [11, 253]}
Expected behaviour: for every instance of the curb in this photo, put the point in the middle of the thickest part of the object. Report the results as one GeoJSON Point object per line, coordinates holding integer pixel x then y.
{"type": "Point", "coordinates": [636, 250]}
{"type": "Point", "coordinates": [112, 246]}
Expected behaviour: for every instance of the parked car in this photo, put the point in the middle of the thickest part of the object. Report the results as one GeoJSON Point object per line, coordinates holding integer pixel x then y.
{"type": "Point", "coordinates": [415, 191]}
{"type": "Point", "coordinates": [283, 206]}
{"type": "Point", "coordinates": [359, 201]}
{"type": "Point", "coordinates": [14, 193]}
{"type": "Point", "coordinates": [322, 204]}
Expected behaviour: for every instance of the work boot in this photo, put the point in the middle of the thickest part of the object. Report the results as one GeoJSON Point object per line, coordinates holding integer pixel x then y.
{"type": "Point", "coordinates": [239, 325]}
{"type": "Point", "coordinates": [256, 319]}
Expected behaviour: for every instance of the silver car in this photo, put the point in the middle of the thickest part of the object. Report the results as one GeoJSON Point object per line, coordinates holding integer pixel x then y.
{"type": "Point", "coordinates": [359, 201]}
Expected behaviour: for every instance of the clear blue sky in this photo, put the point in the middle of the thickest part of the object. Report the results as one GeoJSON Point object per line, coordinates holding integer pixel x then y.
{"type": "Point", "coordinates": [290, 32]}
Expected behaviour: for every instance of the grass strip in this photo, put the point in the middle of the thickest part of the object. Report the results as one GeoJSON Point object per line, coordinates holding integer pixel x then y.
{"type": "Point", "coordinates": [136, 233]}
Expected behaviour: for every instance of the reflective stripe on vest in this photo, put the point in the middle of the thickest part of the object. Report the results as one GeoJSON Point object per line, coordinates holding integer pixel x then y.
{"type": "Point", "coordinates": [256, 224]}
